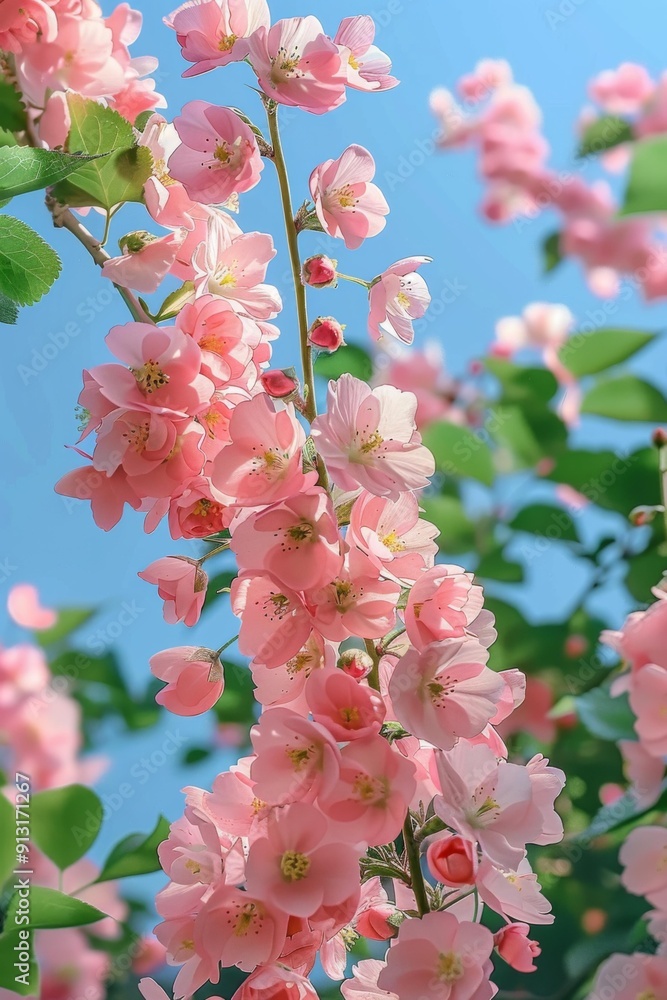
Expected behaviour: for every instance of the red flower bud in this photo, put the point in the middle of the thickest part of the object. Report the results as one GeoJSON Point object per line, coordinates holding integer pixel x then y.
{"type": "Point", "coordinates": [355, 662]}
{"type": "Point", "coordinates": [319, 272]}
{"type": "Point", "coordinates": [279, 383]}
{"type": "Point", "coordinates": [453, 860]}
{"type": "Point", "coordinates": [374, 923]}
{"type": "Point", "coordinates": [326, 333]}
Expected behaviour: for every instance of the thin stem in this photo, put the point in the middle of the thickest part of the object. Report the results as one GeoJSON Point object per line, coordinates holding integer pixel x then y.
{"type": "Point", "coordinates": [226, 646]}
{"type": "Point", "coordinates": [63, 218]}
{"type": "Point", "coordinates": [456, 898]}
{"type": "Point", "coordinates": [357, 281]}
{"type": "Point", "coordinates": [295, 260]}
{"type": "Point", "coordinates": [416, 877]}
{"type": "Point", "coordinates": [374, 676]}
{"type": "Point", "coordinates": [214, 552]}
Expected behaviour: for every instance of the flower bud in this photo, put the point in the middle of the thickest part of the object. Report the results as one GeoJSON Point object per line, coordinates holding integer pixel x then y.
{"type": "Point", "coordinates": [576, 645]}
{"type": "Point", "coordinates": [659, 437]}
{"type": "Point", "coordinates": [280, 383]}
{"type": "Point", "coordinates": [326, 333]}
{"type": "Point", "coordinates": [375, 923]}
{"type": "Point", "coordinates": [644, 515]}
{"type": "Point", "coordinates": [319, 272]}
{"type": "Point", "coordinates": [135, 242]}
{"type": "Point", "coordinates": [453, 860]}
{"type": "Point", "coordinates": [356, 662]}
{"type": "Point", "coordinates": [515, 947]}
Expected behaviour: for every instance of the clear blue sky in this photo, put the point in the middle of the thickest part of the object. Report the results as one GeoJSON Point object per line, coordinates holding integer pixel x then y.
{"type": "Point", "coordinates": [554, 46]}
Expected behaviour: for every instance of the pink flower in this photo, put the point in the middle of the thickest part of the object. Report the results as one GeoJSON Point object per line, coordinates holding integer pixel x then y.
{"type": "Point", "coordinates": [642, 638]}
{"type": "Point", "coordinates": [193, 513]}
{"type": "Point", "coordinates": [392, 535]}
{"type": "Point", "coordinates": [225, 338]}
{"type": "Point", "coordinates": [215, 32]}
{"type": "Point", "coordinates": [297, 541]}
{"type": "Point", "coordinates": [296, 759]}
{"type": "Point", "coordinates": [367, 67]}
{"type": "Point", "coordinates": [279, 384]}
{"type": "Point", "coordinates": [108, 494]}
{"type": "Point", "coordinates": [452, 860]}
{"type": "Point", "coordinates": [326, 333]}
{"type": "Point", "coordinates": [644, 772]}
{"type": "Point", "coordinates": [445, 691]}
{"type": "Point", "coordinates": [501, 805]}
{"type": "Point", "coordinates": [23, 22]}
{"type": "Point", "coordinates": [235, 929]}
{"type": "Point", "coordinates": [397, 297]}
{"type": "Point", "coordinates": [631, 977]}
{"type": "Point", "coordinates": [25, 609]}
{"type": "Point", "coordinates": [347, 204]}
{"type": "Point", "coordinates": [356, 602]}
{"type": "Point", "coordinates": [181, 584]}
{"type": "Point", "coordinates": [275, 982]}
{"type": "Point", "coordinates": [194, 677]}
{"type": "Point", "coordinates": [218, 155]}
{"type": "Point", "coordinates": [374, 790]}
{"type": "Point", "coordinates": [515, 947]}
{"type": "Point", "coordinates": [622, 91]}
{"type": "Point", "coordinates": [437, 953]}
{"type": "Point", "coordinates": [319, 272]}
{"type": "Point", "coordinates": [368, 438]}
{"type": "Point", "coordinates": [349, 710]}
{"type": "Point", "coordinates": [515, 895]}
{"type": "Point", "coordinates": [236, 270]}
{"type": "Point", "coordinates": [298, 65]}
{"type": "Point", "coordinates": [275, 623]}
{"type": "Point", "coordinates": [648, 700]}
{"type": "Point", "coordinates": [295, 868]}
{"type": "Point", "coordinates": [145, 261]}
{"type": "Point", "coordinates": [644, 858]}
{"type": "Point", "coordinates": [262, 464]}
{"type": "Point", "coordinates": [488, 75]}
{"type": "Point", "coordinates": [443, 604]}
{"type": "Point", "coordinates": [364, 982]}
{"type": "Point", "coordinates": [542, 324]}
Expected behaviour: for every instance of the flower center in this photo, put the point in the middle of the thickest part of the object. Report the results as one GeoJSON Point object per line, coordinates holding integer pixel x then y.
{"type": "Point", "coordinates": [403, 300]}
{"type": "Point", "coordinates": [294, 866]}
{"type": "Point", "coordinates": [300, 756]}
{"type": "Point", "coordinates": [369, 789]}
{"type": "Point", "coordinates": [247, 915]}
{"type": "Point", "coordinates": [136, 436]}
{"type": "Point", "coordinates": [392, 542]}
{"type": "Point", "coordinates": [354, 63]}
{"type": "Point", "coordinates": [285, 66]}
{"type": "Point", "coordinates": [371, 443]}
{"type": "Point", "coordinates": [349, 715]}
{"type": "Point", "coordinates": [222, 153]}
{"type": "Point", "coordinates": [227, 42]}
{"type": "Point", "coordinates": [150, 376]}
{"type": "Point", "coordinates": [300, 532]}
{"type": "Point", "coordinates": [450, 967]}
{"type": "Point", "coordinates": [345, 197]}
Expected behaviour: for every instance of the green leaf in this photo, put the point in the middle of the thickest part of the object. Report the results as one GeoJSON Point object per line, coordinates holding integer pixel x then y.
{"type": "Point", "coordinates": [626, 398]}
{"type": "Point", "coordinates": [521, 384]}
{"type": "Point", "coordinates": [604, 716]}
{"type": "Point", "coordinates": [647, 181]}
{"type": "Point", "coordinates": [7, 839]}
{"type": "Point", "coordinates": [135, 855]}
{"type": "Point", "coordinates": [551, 252]}
{"type": "Point", "coordinates": [175, 301]}
{"type": "Point", "coordinates": [65, 822]}
{"type": "Point", "coordinates": [114, 178]}
{"type": "Point", "coordinates": [12, 111]}
{"type": "Point", "coordinates": [49, 909]}
{"type": "Point", "coordinates": [9, 311]}
{"type": "Point", "coordinates": [142, 120]}
{"type": "Point", "coordinates": [547, 521]}
{"type": "Point", "coordinates": [28, 265]}
{"type": "Point", "coordinates": [13, 946]}
{"type": "Point", "coordinates": [495, 566]}
{"type": "Point", "coordinates": [605, 133]}
{"type": "Point", "coordinates": [237, 703]}
{"type": "Point", "coordinates": [645, 571]}
{"type": "Point", "coordinates": [351, 359]}
{"type": "Point", "coordinates": [23, 169]}
{"type": "Point", "coordinates": [459, 451]}
{"type": "Point", "coordinates": [69, 620]}
{"type": "Point", "coordinates": [618, 813]}
{"type": "Point", "coordinates": [457, 531]}
{"type": "Point", "coordinates": [614, 482]}
{"type": "Point", "coordinates": [590, 353]}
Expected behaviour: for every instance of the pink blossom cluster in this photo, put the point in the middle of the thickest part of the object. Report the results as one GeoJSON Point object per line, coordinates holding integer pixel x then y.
{"type": "Point", "coordinates": [40, 735]}
{"type": "Point", "coordinates": [502, 121]}
{"type": "Point", "coordinates": [68, 46]}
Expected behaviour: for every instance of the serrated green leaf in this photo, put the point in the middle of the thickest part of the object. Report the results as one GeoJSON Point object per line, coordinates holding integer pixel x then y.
{"type": "Point", "coordinates": [626, 398]}
{"type": "Point", "coordinates": [647, 181]}
{"type": "Point", "coordinates": [23, 169]}
{"type": "Point", "coordinates": [50, 909]}
{"type": "Point", "coordinates": [135, 855]}
{"type": "Point", "coordinates": [28, 265]}
{"type": "Point", "coordinates": [65, 822]}
{"type": "Point", "coordinates": [12, 111]}
{"type": "Point", "coordinates": [551, 252]}
{"type": "Point", "coordinates": [9, 311]}
{"type": "Point", "coordinates": [350, 359]}
{"type": "Point", "coordinates": [590, 353]}
{"type": "Point", "coordinates": [69, 620]}
{"type": "Point", "coordinates": [113, 179]}
{"type": "Point", "coordinates": [458, 451]}
{"type": "Point", "coordinates": [604, 133]}
{"type": "Point", "coordinates": [545, 520]}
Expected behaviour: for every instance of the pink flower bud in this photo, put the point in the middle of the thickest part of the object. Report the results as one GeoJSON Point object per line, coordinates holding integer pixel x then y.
{"type": "Point", "coordinates": [279, 383]}
{"type": "Point", "coordinates": [374, 923]}
{"type": "Point", "coordinates": [575, 646]}
{"type": "Point", "coordinates": [453, 860]}
{"type": "Point", "coordinates": [319, 272]}
{"type": "Point", "coordinates": [356, 663]}
{"type": "Point", "coordinates": [516, 948]}
{"type": "Point", "coordinates": [326, 333]}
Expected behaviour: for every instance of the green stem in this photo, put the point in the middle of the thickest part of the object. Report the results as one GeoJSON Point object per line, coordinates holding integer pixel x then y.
{"type": "Point", "coordinates": [295, 261]}
{"type": "Point", "coordinates": [214, 552]}
{"type": "Point", "coordinates": [416, 877]}
{"type": "Point", "coordinates": [63, 218]}
{"type": "Point", "coordinates": [374, 676]}
{"type": "Point", "coordinates": [226, 646]}
{"type": "Point", "coordinates": [663, 482]}
{"type": "Point", "coordinates": [357, 281]}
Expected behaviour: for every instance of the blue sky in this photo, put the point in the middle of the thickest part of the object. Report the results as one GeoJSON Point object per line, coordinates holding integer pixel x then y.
{"type": "Point", "coordinates": [554, 46]}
